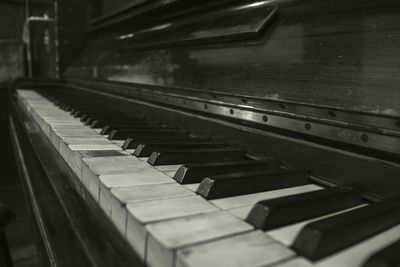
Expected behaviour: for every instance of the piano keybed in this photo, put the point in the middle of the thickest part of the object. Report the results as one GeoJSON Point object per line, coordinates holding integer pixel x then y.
{"type": "Point", "coordinates": [183, 200]}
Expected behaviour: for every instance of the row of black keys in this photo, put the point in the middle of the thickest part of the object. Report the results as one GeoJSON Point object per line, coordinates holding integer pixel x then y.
{"type": "Point", "coordinates": [229, 174]}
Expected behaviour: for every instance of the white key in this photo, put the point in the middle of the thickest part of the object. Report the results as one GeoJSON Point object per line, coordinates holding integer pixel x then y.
{"type": "Point", "coordinates": [108, 182]}
{"type": "Point", "coordinates": [92, 168]}
{"type": "Point", "coordinates": [113, 201]}
{"type": "Point", "coordinates": [244, 250]}
{"type": "Point", "coordinates": [169, 168]}
{"type": "Point", "coordinates": [118, 142]}
{"type": "Point", "coordinates": [166, 237]}
{"type": "Point", "coordinates": [65, 142]}
{"type": "Point", "coordinates": [69, 150]}
{"type": "Point", "coordinates": [192, 187]}
{"type": "Point", "coordinates": [75, 157]}
{"type": "Point", "coordinates": [130, 151]}
{"type": "Point", "coordinates": [142, 213]}
{"type": "Point", "coordinates": [170, 173]}
{"type": "Point", "coordinates": [295, 262]}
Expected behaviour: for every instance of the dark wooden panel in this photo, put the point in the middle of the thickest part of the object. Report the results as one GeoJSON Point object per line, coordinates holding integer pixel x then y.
{"type": "Point", "coordinates": [335, 53]}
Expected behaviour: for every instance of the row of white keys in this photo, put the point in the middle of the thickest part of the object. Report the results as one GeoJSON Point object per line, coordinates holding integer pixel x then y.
{"type": "Point", "coordinates": [151, 197]}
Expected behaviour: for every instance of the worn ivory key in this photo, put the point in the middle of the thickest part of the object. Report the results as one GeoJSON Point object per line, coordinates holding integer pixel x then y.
{"type": "Point", "coordinates": [142, 213]}
{"type": "Point", "coordinates": [69, 150]}
{"type": "Point", "coordinates": [126, 180]}
{"type": "Point", "coordinates": [57, 137]}
{"type": "Point", "coordinates": [75, 157]}
{"type": "Point", "coordinates": [294, 262]}
{"type": "Point", "coordinates": [92, 168]}
{"type": "Point", "coordinates": [165, 238]}
{"type": "Point", "coordinates": [114, 201]}
{"type": "Point", "coordinates": [243, 250]}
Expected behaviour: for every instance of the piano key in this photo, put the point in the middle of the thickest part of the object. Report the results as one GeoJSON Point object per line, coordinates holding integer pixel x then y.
{"type": "Point", "coordinates": [242, 250]}
{"type": "Point", "coordinates": [278, 212]}
{"type": "Point", "coordinates": [388, 256]}
{"type": "Point", "coordinates": [327, 236]}
{"type": "Point", "coordinates": [122, 134]}
{"type": "Point", "coordinates": [70, 151]}
{"type": "Point", "coordinates": [62, 145]}
{"type": "Point", "coordinates": [100, 123]}
{"type": "Point", "coordinates": [295, 262]}
{"type": "Point", "coordinates": [165, 238]}
{"type": "Point", "coordinates": [251, 199]}
{"type": "Point", "coordinates": [75, 157]}
{"type": "Point", "coordinates": [111, 130]}
{"type": "Point", "coordinates": [109, 181]}
{"type": "Point", "coordinates": [195, 173]}
{"type": "Point", "coordinates": [167, 168]}
{"type": "Point", "coordinates": [92, 168]}
{"type": "Point", "coordinates": [131, 143]}
{"type": "Point", "coordinates": [142, 213]}
{"type": "Point", "coordinates": [227, 185]}
{"type": "Point", "coordinates": [287, 234]}
{"type": "Point", "coordinates": [114, 201]}
{"type": "Point", "coordinates": [106, 183]}
{"type": "Point", "coordinates": [101, 115]}
{"type": "Point", "coordinates": [195, 156]}
{"type": "Point", "coordinates": [358, 254]}
{"type": "Point", "coordinates": [96, 120]}
{"type": "Point", "coordinates": [143, 150]}
{"type": "Point", "coordinates": [118, 142]}
{"type": "Point", "coordinates": [57, 138]}
{"type": "Point", "coordinates": [75, 132]}
{"type": "Point", "coordinates": [131, 125]}
{"type": "Point", "coordinates": [192, 187]}
{"type": "Point", "coordinates": [80, 112]}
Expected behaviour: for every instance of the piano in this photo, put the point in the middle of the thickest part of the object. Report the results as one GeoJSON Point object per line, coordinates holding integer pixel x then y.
{"type": "Point", "coordinates": [219, 133]}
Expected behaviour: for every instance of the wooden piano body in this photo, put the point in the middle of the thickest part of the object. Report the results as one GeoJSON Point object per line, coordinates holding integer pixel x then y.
{"type": "Point", "coordinates": [312, 84]}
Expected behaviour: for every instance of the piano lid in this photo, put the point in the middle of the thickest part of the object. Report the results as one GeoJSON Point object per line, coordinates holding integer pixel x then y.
{"type": "Point", "coordinates": [328, 69]}
{"type": "Point", "coordinates": [340, 54]}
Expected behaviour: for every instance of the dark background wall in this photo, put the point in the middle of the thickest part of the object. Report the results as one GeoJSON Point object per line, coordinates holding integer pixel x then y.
{"type": "Point", "coordinates": [11, 66]}
{"type": "Point", "coordinates": [11, 49]}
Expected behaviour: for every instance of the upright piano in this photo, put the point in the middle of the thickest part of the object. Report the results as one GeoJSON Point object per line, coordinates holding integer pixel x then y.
{"type": "Point", "coordinates": [219, 133]}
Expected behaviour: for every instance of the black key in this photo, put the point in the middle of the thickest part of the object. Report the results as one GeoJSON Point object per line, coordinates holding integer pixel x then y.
{"type": "Point", "coordinates": [133, 143]}
{"type": "Point", "coordinates": [144, 150]}
{"type": "Point", "coordinates": [326, 236]}
{"type": "Point", "coordinates": [100, 123]}
{"type": "Point", "coordinates": [227, 185]}
{"type": "Point", "coordinates": [88, 119]}
{"type": "Point", "coordinates": [387, 257]}
{"type": "Point", "coordinates": [194, 156]}
{"type": "Point", "coordinates": [195, 173]}
{"type": "Point", "coordinates": [65, 107]}
{"type": "Point", "coordinates": [121, 134]}
{"type": "Point", "coordinates": [129, 125]}
{"type": "Point", "coordinates": [105, 115]}
{"type": "Point", "coordinates": [79, 112]}
{"type": "Point", "coordinates": [282, 211]}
